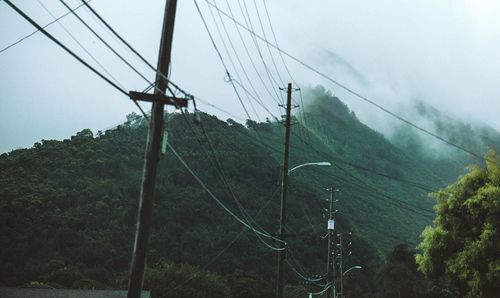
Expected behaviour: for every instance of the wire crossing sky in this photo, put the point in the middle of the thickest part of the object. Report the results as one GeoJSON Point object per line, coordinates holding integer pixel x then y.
{"type": "Point", "coordinates": [442, 53]}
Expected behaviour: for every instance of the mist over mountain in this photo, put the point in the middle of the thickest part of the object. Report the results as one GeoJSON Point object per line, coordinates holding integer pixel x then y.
{"type": "Point", "coordinates": [434, 110]}
{"type": "Point", "coordinates": [471, 135]}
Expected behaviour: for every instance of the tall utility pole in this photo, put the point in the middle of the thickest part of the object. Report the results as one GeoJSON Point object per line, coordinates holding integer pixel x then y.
{"type": "Point", "coordinates": [341, 273]}
{"type": "Point", "coordinates": [152, 157]}
{"type": "Point", "coordinates": [330, 264]}
{"type": "Point", "coordinates": [284, 187]}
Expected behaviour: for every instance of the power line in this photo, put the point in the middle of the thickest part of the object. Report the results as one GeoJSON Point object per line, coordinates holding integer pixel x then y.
{"type": "Point", "coordinates": [219, 109]}
{"type": "Point", "coordinates": [247, 52]}
{"type": "Point", "coordinates": [218, 166]}
{"type": "Point", "coordinates": [268, 48]}
{"type": "Point", "coordinates": [36, 31]}
{"type": "Point", "coordinates": [96, 14]}
{"type": "Point", "coordinates": [255, 94]}
{"type": "Point", "coordinates": [300, 275]}
{"type": "Point", "coordinates": [220, 253]}
{"type": "Point", "coordinates": [219, 202]}
{"type": "Point", "coordinates": [256, 99]}
{"type": "Point", "coordinates": [81, 45]}
{"type": "Point", "coordinates": [213, 152]}
{"type": "Point", "coordinates": [322, 291]}
{"type": "Point", "coordinates": [39, 28]}
{"type": "Point", "coordinates": [301, 106]}
{"type": "Point", "coordinates": [363, 184]}
{"type": "Point", "coordinates": [221, 59]}
{"type": "Point", "coordinates": [271, 78]}
{"type": "Point", "coordinates": [105, 43]}
{"type": "Point", "coordinates": [374, 172]}
{"type": "Point", "coordinates": [355, 93]}
{"type": "Point", "coordinates": [151, 84]}
{"type": "Point", "coordinates": [228, 53]}
{"type": "Point", "coordinates": [337, 159]}
{"type": "Point", "coordinates": [276, 42]}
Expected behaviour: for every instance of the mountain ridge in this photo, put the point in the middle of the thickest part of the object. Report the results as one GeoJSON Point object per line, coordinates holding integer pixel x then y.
{"type": "Point", "coordinates": [78, 197]}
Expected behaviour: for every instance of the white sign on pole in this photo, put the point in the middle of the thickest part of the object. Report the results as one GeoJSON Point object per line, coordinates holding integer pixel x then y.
{"type": "Point", "coordinates": [331, 224]}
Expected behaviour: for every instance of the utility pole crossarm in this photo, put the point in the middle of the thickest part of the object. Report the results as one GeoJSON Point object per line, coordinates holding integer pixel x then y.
{"type": "Point", "coordinates": [159, 98]}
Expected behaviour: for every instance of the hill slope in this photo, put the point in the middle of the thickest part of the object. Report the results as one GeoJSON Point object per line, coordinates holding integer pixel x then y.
{"type": "Point", "coordinates": [68, 208]}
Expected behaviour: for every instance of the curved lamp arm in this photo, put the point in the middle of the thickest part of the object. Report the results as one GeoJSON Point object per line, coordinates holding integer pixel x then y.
{"type": "Point", "coordinates": [321, 163]}
{"type": "Point", "coordinates": [353, 267]}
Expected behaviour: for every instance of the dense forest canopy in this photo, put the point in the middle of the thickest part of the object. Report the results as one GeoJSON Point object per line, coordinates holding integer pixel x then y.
{"type": "Point", "coordinates": [68, 208]}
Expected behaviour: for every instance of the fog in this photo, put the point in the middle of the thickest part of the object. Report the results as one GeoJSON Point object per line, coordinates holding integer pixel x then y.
{"type": "Point", "coordinates": [443, 53]}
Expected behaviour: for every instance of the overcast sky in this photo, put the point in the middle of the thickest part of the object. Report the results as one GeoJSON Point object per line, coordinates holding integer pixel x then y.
{"type": "Point", "coordinates": [442, 52]}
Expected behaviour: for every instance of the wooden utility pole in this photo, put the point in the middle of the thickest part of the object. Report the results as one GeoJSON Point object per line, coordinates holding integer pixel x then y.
{"type": "Point", "coordinates": [155, 133]}
{"type": "Point", "coordinates": [330, 264]}
{"type": "Point", "coordinates": [284, 190]}
{"type": "Point", "coordinates": [341, 265]}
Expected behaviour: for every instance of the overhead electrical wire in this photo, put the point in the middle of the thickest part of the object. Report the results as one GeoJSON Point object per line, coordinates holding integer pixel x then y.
{"type": "Point", "coordinates": [271, 78]}
{"type": "Point", "coordinates": [337, 159]}
{"type": "Point", "coordinates": [35, 24]}
{"type": "Point", "coordinates": [213, 152]}
{"type": "Point", "coordinates": [248, 20]}
{"type": "Point", "coordinates": [221, 252]}
{"type": "Point", "coordinates": [105, 43]}
{"type": "Point", "coordinates": [417, 185]}
{"type": "Point", "coordinates": [355, 93]}
{"type": "Point", "coordinates": [36, 31]}
{"type": "Point", "coordinates": [204, 102]}
{"type": "Point", "coordinates": [163, 76]}
{"type": "Point", "coordinates": [228, 53]}
{"type": "Point", "coordinates": [223, 177]}
{"type": "Point", "coordinates": [151, 84]}
{"type": "Point", "coordinates": [222, 205]}
{"type": "Point", "coordinates": [256, 99]}
{"type": "Point", "coordinates": [363, 186]}
{"type": "Point", "coordinates": [255, 95]}
{"type": "Point", "coordinates": [86, 64]}
{"type": "Point", "coordinates": [328, 286]}
{"type": "Point", "coordinates": [81, 45]}
{"type": "Point", "coordinates": [267, 45]}
{"type": "Point", "coordinates": [276, 42]}
{"type": "Point", "coordinates": [221, 59]}
{"type": "Point", "coordinates": [267, 235]}
{"type": "Point", "coordinates": [302, 276]}
{"type": "Point", "coordinates": [107, 80]}
{"type": "Point", "coordinates": [253, 230]}
{"type": "Point", "coordinates": [247, 52]}
{"type": "Point", "coordinates": [301, 106]}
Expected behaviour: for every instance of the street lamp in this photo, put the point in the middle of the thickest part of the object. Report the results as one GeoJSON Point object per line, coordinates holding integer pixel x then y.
{"type": "Point", "coordinates": [321, 163]}
{"type": "Point", "coordinates": [341, 281]}
{"type": "Point", "coordinates": [282, 230]}
{"type": "Point", "coordinates": [353, 267]}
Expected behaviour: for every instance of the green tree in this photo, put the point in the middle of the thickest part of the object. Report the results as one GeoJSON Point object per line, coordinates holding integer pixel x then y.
{"type": "Point", "coordinates": [166, 280]}
{"type": "Point", "coordinates": [464, 243]}
{"type": "Point", "coordinates": [399, 277]}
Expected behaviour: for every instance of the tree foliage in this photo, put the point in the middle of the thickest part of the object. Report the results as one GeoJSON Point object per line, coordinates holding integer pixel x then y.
{"type": "Point", "coordinates": [167, 280]}
{"type": "Point", "coordinates": [68, 208]}
{"type": "Point", "coordinates": [464, 242]}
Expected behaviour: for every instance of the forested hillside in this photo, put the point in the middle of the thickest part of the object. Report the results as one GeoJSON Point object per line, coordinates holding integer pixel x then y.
{"type": "Point", "coordinates": [68, 208]}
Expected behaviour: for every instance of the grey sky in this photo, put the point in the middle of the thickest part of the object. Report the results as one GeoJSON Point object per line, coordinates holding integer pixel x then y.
{"type": "Point", "coordinates": [443, 52]}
